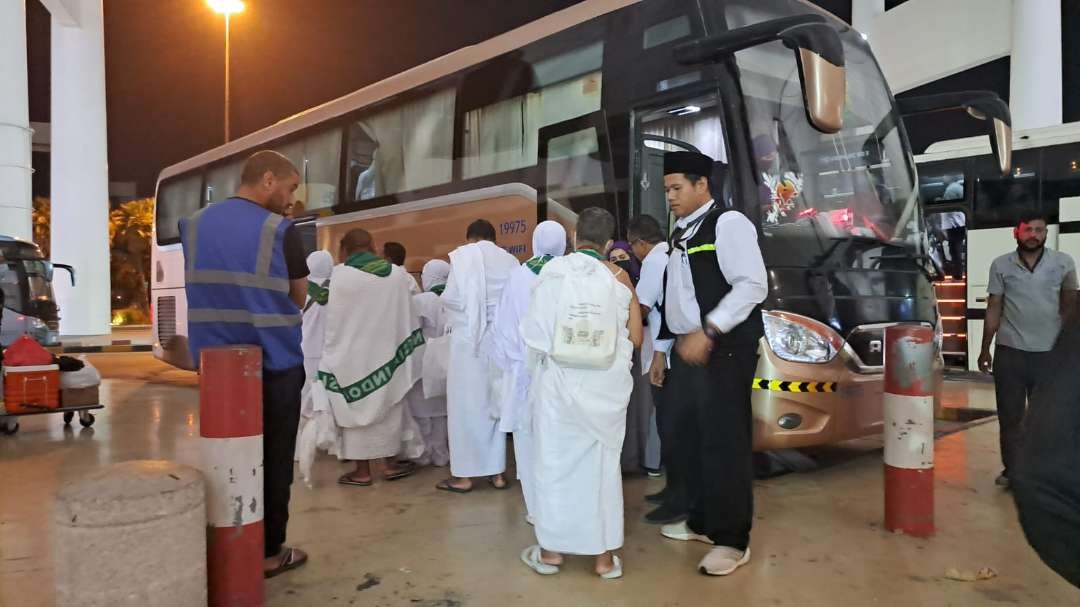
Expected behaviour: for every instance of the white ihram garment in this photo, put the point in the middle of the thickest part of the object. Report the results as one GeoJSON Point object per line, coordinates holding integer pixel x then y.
{"type": "Point", "coordinates": [430, 413]}
{"type": "Point", "coordinates": [511, 381]}
{"type": "Point", "coordinates": [477, 276]}
{"type": "Point", "coordinates": [579, 422]}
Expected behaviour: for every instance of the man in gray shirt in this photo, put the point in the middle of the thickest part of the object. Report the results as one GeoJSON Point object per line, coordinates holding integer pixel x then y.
{"type": "Point", "coordinates": [1031, 291]}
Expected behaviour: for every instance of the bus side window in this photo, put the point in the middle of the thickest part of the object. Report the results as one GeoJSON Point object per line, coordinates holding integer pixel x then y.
{"type": "Point", "coordinates": [407, 146]}
{"type": "Point", "coordinates": [1060, 176]}
{"type": "Point", "coordinates": [177, 198]}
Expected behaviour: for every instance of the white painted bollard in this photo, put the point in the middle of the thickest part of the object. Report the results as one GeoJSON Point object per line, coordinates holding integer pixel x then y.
{"type": "Point", "coordinates": [132, 534]}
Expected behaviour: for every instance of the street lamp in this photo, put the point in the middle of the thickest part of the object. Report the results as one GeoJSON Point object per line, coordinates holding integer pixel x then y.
{"type": "Point", "coordinates": [227, 8]}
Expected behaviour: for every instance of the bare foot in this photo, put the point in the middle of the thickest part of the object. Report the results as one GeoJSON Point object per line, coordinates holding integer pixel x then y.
{"type": "Point", "coordinates": [498, 481]}
{"type": "Point", "coordinates": [461, 484]}
{"type": "Point", "coordinates": [550, 558]}
{"type": "Point", "coordinates": [604, 563]}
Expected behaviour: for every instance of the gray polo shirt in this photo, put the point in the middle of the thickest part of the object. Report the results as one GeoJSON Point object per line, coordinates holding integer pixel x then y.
{"type": "Point", "coordinates": [1031, 316]}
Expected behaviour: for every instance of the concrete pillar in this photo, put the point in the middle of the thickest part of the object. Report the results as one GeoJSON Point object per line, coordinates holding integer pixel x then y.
{"type": "Point", "coordinates": [864, 13]}
{"type": "Point", "coordinates": [15, 134]}
{"type": "Point", "coordinates": [1035, 66]}
{"type": "Point", "coordinates": [80, 172]}
{"type": "Point", "coordinates": [131, 534]}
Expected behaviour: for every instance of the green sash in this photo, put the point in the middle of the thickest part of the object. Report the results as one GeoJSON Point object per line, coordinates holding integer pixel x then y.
{"type": "Point", "coordinates": [592, 253]}
{"type": "Point", "coordinates": [437, 289]}
{"type": "Point", "coordinates": [370, 263]}
{"type": "Point", "coordinates": [377, 378]}
{"type": "Point", "coordinates": [537, 263]}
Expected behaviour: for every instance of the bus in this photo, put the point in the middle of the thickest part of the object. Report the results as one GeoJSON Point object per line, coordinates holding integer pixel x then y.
{"type": "Point", "coordinates": [29, 306]}
{"type": "Point", "coordinates": [576, 110]}
{"type": "Point", "coordinates": [971, 209]}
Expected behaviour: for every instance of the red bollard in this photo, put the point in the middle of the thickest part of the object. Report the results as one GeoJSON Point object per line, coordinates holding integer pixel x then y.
{"type": "Point", "coordinates": [230, 424]}
{"type": "Point", "coordinates": [909, 430]}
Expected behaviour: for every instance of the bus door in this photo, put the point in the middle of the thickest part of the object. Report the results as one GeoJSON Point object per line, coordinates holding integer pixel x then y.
{"type": "Point", "coordinates": [947, 230]}
{"type": "Point", "coordinates": [680, 125]}
{"type": "Point", "coordinates": [575, 172]}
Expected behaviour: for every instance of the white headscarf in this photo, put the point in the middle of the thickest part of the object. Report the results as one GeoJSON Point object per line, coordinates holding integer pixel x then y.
{"type": "Point", "coordinates": [320, 264]}
{"type": "Point", "coordinates": [549, 238]}
{"type": "Point", "coordinates": [435, 273]}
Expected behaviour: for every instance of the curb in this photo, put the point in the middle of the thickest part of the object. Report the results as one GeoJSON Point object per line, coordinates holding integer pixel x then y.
{"type": "Point", "coordinates": [112, 349]}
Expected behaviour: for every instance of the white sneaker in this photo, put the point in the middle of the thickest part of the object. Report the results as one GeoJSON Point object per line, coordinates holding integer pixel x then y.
{"type": "Point", "coordinates": [682, 532]}
{"type": "Point", "coordinates": [723, 560]}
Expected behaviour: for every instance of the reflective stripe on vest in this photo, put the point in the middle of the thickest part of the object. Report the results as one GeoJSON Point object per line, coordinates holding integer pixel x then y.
{"type": "Point", "coordinates": [701, 249]}
{"type": "Point", "coordinates": [243, 316]}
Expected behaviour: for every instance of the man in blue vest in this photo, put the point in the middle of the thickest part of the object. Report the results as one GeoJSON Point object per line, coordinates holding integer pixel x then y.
{"type": "Point", "coordinates": [715, 284]}
{"type": "Point", "coordinates": [245, 277]}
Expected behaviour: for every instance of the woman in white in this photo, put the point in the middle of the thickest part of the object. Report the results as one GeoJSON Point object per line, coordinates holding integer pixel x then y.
{"type": "Point", "coordinates": [430, 413]}
{"type": "Point", "coordinates": [582, 326]}
{"type": "Point", "coordinates": [508, 350]}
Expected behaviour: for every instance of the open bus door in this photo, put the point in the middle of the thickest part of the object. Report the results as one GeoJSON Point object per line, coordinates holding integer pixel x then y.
{"type": "Point", "coordinates": [575, 172]}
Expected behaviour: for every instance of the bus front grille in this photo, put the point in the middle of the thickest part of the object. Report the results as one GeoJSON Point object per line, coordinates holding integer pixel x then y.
{"type": "Point", "coordinates": [166, 321]}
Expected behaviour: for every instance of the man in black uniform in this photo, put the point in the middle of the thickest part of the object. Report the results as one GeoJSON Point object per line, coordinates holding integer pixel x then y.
{"type": "Point", "coordinates": [716, 282]}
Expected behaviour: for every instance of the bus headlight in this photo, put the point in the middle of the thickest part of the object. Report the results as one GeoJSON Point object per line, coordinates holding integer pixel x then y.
{"type": "Point", "coordinates": [800, 339]}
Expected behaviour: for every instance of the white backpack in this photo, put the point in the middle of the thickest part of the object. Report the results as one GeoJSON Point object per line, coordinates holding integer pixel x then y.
{"type": "Point", "coordinates": [586, 325]}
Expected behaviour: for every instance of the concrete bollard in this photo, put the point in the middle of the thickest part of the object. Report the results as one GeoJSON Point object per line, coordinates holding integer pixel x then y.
{"type": "Point", "coordinates": [131, 534]}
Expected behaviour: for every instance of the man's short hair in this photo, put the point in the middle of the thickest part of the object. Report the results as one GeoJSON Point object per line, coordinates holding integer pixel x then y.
{"type": "Point", "coordinates": [692, 178]}
{"type": "Point", "coordinates": [595, 226]}
{"type": "Point", "coordinates": [645, 227]}
{"type": "Point", "coordinates": [1030, 216]}
{"type": "Point", "coordinates": [266, 160]}
{"type": "Point", "coordinates": [481, 229]}
{"type": "Point", "coordinates": [357, 239]}
{"type": "Point", "coordinates": [394, 253]}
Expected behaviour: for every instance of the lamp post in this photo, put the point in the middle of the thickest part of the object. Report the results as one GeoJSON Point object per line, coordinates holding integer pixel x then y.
{"type": "Point", "coordinates": [227, 8]}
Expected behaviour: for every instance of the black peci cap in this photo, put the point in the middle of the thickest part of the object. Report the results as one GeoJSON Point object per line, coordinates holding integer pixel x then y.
{"type": "Point", "coordinates": [692, 163]}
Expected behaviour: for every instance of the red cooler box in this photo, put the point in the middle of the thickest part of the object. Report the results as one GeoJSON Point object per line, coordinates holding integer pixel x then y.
{"type": "Point", "coordinates": [30, 389]}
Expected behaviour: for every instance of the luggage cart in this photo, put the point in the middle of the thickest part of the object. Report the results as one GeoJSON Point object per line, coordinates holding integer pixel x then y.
{"type": "Point", "coordinates": [9, 422]}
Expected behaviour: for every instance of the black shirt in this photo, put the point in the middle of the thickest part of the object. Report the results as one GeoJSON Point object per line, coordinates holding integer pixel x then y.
{"type": "Point", "coordinates": [295, 257]}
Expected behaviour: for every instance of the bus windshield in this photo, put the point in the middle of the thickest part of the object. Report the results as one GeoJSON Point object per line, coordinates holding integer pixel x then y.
{"type": "Point", "coordinates": [816, 189]}
{"type": "Point", "coordinates": [25, 282]}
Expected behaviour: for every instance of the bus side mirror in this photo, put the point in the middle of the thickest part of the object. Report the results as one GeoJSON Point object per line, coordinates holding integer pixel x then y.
{"type": "Point", "coordinates": [70, 271]}
{"type": "Point", "coordinates": [981, 105]}
{"type": "Point", "coordinates": [820, 55]}
{"type": "Point", "coordinates": [818, 51]}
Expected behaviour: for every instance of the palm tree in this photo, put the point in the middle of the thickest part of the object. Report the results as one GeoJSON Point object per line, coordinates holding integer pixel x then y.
{"type": "Point", "coordinates": [40, 219]}
{"type": "Point", "coordinates": [130, 228]}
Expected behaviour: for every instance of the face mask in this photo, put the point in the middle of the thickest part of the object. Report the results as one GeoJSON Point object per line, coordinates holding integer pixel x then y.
{"type": "Point", "coordinates": [625, 264]}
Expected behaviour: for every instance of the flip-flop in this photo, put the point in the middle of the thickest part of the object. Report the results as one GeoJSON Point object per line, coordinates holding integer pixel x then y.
{"type": "Point", "coordinates": [505, 485]}
{"type": "Point", "coordinates": [406, 470]}
{"type": "Point", "coordinates": [444, 485]}
{"type": "Point", "coordinates": [531, 557]}
{"type": "Point", "coordinates": [345, 479]}
{"type": "Point", "coordinates": [291, 558]}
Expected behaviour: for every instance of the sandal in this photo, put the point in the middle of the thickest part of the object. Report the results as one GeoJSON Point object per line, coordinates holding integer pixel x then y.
{"type": "Point", "coordinates": [348, 479]}
{"type": "Point", "coordinates": [504, 487]}
{"type": "Point", "coordinates": [291, 558]}
{"type": "Point", "coordinates": [531, 557]}
{"type": "Point", "coordinates": [446, 485]}
{"type": "Point", "coordinates": [616, 569]}
{"type": "Point", "coordinates": [406, 469]}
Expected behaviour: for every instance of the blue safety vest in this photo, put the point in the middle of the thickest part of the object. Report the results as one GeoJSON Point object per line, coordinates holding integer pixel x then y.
{"type": "Point", "coordinates": [237, 282]}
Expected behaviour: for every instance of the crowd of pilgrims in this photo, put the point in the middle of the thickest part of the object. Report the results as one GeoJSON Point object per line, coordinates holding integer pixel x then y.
{"type": "Point", "coordinates": [563, 352]}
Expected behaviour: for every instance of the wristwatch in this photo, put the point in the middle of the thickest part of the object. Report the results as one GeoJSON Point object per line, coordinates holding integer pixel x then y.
{"type": "Point", "coordinates": [711, 332]}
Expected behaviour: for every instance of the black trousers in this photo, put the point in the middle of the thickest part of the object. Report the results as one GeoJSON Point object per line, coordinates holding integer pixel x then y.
{"type": "Point", "coordinates": [667, 417]}
{"type": "Point", "coordinates": [714, 430]}
{"type": "Point", "coordinates": [1017, 375]}
{"type": "Point", "coordinates": [281, 417]}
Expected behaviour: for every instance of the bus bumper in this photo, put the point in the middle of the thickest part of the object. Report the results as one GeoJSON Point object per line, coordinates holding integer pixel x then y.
{"type": "Point", "coordinates": [790, 416]}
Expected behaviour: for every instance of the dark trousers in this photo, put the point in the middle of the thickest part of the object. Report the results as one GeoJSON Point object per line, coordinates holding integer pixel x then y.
{"type": "Point", "coordinates": [1016, 376]}
{"type": "Point", "coordinates": [281, 417]}
{"type": "Point", "coordinates": [667, 416]}
{"type": "Point", "coordinates": [715, 434]}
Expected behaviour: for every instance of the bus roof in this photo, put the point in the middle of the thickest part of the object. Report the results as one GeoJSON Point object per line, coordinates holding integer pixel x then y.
{"type": "Point", "coordinates": [424, 73]}
{"type": "Point", "coordinates": [1022, 140]}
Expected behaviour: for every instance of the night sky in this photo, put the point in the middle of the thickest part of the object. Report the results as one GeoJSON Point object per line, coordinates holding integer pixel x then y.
{"type": "Point", "coordinates": [165, 63]}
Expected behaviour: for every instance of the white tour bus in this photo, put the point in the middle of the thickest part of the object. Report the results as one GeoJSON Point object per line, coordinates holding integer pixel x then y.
{"type": "Point", "coordinates": [576, 110]}
{"type": "Point", "coordinates": [971, 209]}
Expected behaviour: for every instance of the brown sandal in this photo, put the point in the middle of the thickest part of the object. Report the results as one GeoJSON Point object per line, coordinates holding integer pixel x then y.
{"type": "Point", "coordinates": [405, 470]}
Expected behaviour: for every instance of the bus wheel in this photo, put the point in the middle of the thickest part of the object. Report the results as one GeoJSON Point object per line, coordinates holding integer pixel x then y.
{"type": "Point", "coordinates": [10, 427]}
{"type": "Point", "coordinates": [68, 416]}
{"type": "Point", "coordinates": [86, 420]}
